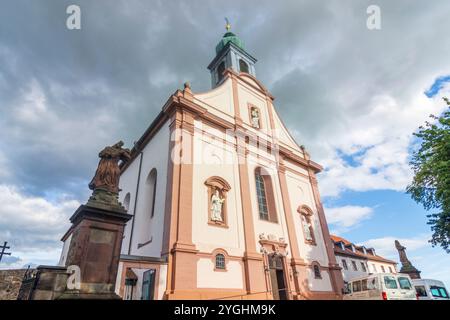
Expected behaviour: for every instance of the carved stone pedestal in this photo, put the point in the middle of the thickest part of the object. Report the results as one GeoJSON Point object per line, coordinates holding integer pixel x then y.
{"type": "Point", "coordinates": [97, 232]}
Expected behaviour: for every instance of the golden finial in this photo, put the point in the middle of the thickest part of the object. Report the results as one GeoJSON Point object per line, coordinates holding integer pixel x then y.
{"type": "Point", "coordinates": [227, 25]}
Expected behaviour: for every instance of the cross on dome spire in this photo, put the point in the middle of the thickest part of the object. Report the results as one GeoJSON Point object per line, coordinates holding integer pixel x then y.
{"type": "Point", "coordinates": [227, 25]}
{"type": "Point", "coordinates": [230, 54]}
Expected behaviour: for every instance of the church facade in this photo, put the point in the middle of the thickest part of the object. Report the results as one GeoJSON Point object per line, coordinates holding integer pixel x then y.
{"type": "Point", "coordinates": [225, 203]}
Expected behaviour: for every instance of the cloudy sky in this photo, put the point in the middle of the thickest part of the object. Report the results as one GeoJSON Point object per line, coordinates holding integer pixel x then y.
{"type": "Point", "coordinates": [351, 95]}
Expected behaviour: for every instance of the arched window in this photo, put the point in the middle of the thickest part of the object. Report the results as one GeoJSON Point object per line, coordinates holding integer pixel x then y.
{"type": "Point", "coordinates": [307, 225]}
{"type": "Point", "coordinates": [151, 194]}
{"type": "Point", "coordinates": [144, 221]}
{"type": "Point", "coordinates": [126, 201]}
{"type": "Point", "coordinates": [264, 194]}
{"type": "Point", "coordinates": [220, 261]}
{"type": "Point", "coordinates": [316, 268]}
{"type": "Point", "coordinates": [220, 70]}
{"type": "Point", "coordinates": [243, 66]}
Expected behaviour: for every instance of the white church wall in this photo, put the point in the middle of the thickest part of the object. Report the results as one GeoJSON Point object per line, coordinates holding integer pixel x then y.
{"type": "Point", "coordinates": [323, 284]}
{"type": "Point", "coordinates": [284, 136]}
{"type": "Point", "coordinates": [155, 155]}
{"type": "Point", "coordinates": [218, 101]}
{"type": "Point", "coordinates": [293, 166]}
{"type": "Point", "coordinates": [162, 281]}
{"type": "Point", "coordinates": [232, 278]}
{"type": "Point", "coordinates": [118, 278]}
{"type": "Point", "coordinates": [209, 161]}
{"type": "Point", "coordinates": [248, 95]}
{"type": "Point", "coordinates": [300, 193]}
{"type": "Point", "coordinates": [127, 184]}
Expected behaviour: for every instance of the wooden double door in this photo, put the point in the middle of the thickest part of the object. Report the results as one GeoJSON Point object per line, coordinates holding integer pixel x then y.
{"type": "Point", "coordinates": [278, 277]}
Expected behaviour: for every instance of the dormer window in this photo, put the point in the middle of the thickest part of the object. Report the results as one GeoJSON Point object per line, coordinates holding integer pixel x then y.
{"type": "Point", "coordinates": [342, 246]}
{"type": "Point", "coordinates": [353, 248]}
{"type": "Point", "coordinates": [364, 250]}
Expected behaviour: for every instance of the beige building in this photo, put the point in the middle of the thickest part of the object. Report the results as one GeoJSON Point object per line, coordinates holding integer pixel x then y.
{"type": "Point", "coordinates": [357, 261]}
{"type": "Point", "coordinates": [225, 203]}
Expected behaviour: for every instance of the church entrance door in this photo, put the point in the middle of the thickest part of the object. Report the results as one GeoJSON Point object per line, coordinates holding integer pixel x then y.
{"type": "Point", "coordinates": [277, 277]}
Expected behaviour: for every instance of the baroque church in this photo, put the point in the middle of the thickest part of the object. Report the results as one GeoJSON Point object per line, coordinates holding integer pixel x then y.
{"type": "Point", "coordinates": [225, 203]}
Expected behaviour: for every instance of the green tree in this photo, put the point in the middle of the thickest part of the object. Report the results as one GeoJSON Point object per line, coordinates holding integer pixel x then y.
{"type": "Point", "coordinates": [431, 183]}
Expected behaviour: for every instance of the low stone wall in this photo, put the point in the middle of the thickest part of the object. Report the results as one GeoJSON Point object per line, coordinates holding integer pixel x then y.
{"type": "Point", "coordinates": [10, 282]}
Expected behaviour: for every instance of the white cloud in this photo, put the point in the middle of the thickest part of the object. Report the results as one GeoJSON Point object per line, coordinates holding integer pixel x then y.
{"type": "Point", "coordinates": [385, 246]}
{"type": "Point", "coordinates": [378, 143]}
{"type": "Point", "coordinates": [344, 218]}
{"type": "Point", "coordinates": [33, 226]}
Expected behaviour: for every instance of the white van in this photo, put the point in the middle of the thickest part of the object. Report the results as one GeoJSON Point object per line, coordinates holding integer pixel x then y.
{"type": "Point", "coordinates": [381, 286]}
{"type": "Point", "coordinates": [428, 289]}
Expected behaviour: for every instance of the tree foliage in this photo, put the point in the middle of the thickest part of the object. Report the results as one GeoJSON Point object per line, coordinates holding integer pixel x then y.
{"type": "Point", "coordinates": [431, 183]}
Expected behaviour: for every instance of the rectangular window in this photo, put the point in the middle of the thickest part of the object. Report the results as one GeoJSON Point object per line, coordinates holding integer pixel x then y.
{"type": "Point", "coordinates": [443, 292]}
{"type": "Point", "coordinates": [364, 285]}
{"type": "Point", "coordinates": [148, 284]}
{"type": "Point", "coordinates": [372, 284]}
{"type": "Point", "coordinates": [363, 267]}
{"type": "Point", "coordinates": [344, 264]}
{"type": "Point", "coordinates": [421, 291]}
{"type": "Point", "coordinates": [390, 282]}
{"type": "Point", "coordinates": [356, 286]}
{"type": "Point", "coordinates": [220, 261]}
{"type": "Point", "coordinates": [382, 269]}
{"type": "Point", "coordinates": [355, 268]}
{"type": "Point", "coordinates": [439, 292]}
{"type": "Point", "coordinates": [404, 283]}
{"type": "Point", "coordinates": [390, 270]}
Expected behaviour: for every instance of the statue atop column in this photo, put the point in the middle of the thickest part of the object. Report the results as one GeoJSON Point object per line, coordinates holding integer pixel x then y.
{"type": "Point", "coordinates": [407, 266]}
{"type": "Point", "coordinates": [105, 183]}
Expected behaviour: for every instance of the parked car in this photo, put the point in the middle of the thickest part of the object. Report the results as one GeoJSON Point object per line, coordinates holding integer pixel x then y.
{"type": "Point", "coordinates": [381, 286]}
{"type": "Point", "coordinates": [429, 289]}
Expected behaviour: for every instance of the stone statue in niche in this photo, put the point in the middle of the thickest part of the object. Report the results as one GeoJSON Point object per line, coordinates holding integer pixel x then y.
{"type": "Point", "coordinates": [255, 118]}
{"type": "Point", "coordinates": [307, 229]}
{"type": "Point", "coordinates": [216, 206]}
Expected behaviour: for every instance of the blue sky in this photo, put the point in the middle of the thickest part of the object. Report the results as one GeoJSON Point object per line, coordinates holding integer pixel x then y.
{"type": "Point", "coordinates": [351, 95]}
{"type": "Point", "coordinates": [437, 86]}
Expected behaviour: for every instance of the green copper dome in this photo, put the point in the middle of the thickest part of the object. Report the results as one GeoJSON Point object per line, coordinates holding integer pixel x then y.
{"type": "Point", "coordinates": [229, 37]}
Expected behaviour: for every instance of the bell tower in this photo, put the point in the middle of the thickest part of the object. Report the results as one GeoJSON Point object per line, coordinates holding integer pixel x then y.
{"type": "Point", "coordinates": [230, 53]}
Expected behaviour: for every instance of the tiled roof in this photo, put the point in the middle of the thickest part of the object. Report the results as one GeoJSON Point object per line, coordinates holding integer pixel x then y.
{"type": "Point", "coordinates": [339, 239]}
{"type": "Point", "coordinates": [357, 253]}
